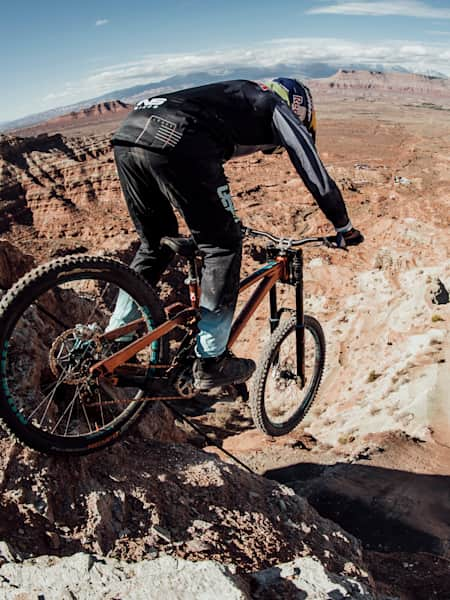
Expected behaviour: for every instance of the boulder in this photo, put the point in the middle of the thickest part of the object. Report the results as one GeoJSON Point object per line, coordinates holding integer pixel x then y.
{"type": "Point", "coordinates": [87, 577]}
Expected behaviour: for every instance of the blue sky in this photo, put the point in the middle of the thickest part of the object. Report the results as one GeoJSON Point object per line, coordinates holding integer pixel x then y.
{"type": "Point", "coordinates": [57, 53]}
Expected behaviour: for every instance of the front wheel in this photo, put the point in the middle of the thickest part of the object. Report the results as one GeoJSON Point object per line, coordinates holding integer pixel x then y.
{"type": "Point", "coordinates": [277, 399]}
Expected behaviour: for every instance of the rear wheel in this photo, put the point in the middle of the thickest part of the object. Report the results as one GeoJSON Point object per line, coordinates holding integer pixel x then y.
{"type": "Point", "coordinates": [52, 330]}
{"type": "Point", "coordinates": [277, 400]}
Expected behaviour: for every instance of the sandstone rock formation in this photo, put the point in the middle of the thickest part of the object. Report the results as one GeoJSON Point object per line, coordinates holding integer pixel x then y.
{"type": "Point", "coordinates": [374, 84]}
{"type": "Point", "coordinates": [91, 577]}
{"type": "Point", "coordinates": [13, 264]}
{"type": "Point", "coordinates": [104, 115]}
{"type": "Point", "coordinates": [61, 189]}
{"type": "Point", "coordinates": [84, 577]}
{"type": "Point", "coordinates": [147, 497]}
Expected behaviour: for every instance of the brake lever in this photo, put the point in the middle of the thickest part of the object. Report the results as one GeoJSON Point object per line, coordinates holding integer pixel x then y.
{"type": "Point", "coordinates": [246, 232]}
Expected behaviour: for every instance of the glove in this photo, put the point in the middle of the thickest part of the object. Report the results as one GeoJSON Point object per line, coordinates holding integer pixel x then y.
{"type": "Point", "coordinates": [353, 237]}
{"type": "Point", "coordinates": [349, 238]}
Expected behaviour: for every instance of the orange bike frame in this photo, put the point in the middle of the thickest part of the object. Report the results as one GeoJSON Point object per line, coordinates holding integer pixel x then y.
{"type": "Point", "coordinates": [267, 275]}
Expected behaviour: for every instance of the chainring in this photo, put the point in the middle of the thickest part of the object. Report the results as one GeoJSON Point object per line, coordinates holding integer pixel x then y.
{"type": "Point", "coordinates": [184, 382]}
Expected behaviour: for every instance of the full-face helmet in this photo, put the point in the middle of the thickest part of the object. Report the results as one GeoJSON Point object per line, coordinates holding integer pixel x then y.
{"type": "Point", "coordinates": [298, 98]}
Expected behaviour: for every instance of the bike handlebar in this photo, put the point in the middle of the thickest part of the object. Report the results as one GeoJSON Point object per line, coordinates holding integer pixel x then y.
{"type": "Point", "coordinates": [288, 242]}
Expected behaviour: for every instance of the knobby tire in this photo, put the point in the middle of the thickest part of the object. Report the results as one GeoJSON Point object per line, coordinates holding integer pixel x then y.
{"type": "Point", "coordinates": [258, 396]}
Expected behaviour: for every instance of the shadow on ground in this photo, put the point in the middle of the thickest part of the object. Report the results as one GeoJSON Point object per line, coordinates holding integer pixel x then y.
{"type": "Point", "coordinates": [402, 519]}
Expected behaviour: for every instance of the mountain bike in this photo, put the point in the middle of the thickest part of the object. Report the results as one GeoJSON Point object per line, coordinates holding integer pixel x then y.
{"type": "Point", "coordinates": [72, 385]}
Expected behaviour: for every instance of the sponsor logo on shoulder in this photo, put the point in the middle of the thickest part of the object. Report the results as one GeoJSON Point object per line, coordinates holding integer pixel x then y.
{"type": "Point", "coordinates": [150, 103]}
{"type": "Point", "coordinates": [262, 85]}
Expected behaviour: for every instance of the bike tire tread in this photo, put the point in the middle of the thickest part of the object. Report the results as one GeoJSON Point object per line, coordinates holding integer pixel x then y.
{"type": "Point", "coordinates": [257, 394]}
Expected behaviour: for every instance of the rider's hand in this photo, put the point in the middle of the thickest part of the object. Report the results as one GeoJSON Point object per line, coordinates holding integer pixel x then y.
{"type": "Point", "coordinates": [353, 237]}
{"type": "Point", "coordinates": [349, 238]}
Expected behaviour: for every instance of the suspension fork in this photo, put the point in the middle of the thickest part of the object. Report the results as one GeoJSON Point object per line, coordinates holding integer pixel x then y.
{"type": "Point", "coordinates": [300, 316]}
{"type": "Point", "coordinates": [274, 319]}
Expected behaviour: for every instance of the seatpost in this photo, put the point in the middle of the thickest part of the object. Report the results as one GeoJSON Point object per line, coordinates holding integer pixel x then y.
{"type": "Point", "coordinates": [193, 283]}
{"type": "Point", "coordinates": [300, 324]}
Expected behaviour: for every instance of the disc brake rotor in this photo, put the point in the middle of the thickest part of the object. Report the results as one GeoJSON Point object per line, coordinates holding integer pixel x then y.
{"type": "Point", "coordinates": [74, 352]}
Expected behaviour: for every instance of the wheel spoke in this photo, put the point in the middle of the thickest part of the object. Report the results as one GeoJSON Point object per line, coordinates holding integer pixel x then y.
{"type": "Point", "coordinates": [37, 408]}
{"type": "Point", "coordinates": [87, 418]}
{"type": "Point", "coordinates": [54, 387]}
{"type": "Point", "coordinates": [68, 407]}
{"type": "Point", "coordinates": [52, 395]}
{"type": "Point", "coordinates": [49, 314]}
{"type": "Point", "coordinates": [72, 404]}
{"type": "Point", "coordinates": [97, 302]}
{"type": "Point", "coordinates": [101, 407]}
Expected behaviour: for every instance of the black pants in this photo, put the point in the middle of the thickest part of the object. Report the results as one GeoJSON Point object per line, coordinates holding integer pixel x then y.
{"type": "Point", "coordinates": [196, 185]}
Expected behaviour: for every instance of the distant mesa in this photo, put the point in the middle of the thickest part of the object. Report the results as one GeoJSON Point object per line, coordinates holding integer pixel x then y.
{"type": "Point", "coordinates": [103, 108]}
{"type": "Point", "coordinates": [353, 79]}
{"type": "Point", "coordinates": [407, 86]}
{"type": "Point", "coordinates": [113, 110]}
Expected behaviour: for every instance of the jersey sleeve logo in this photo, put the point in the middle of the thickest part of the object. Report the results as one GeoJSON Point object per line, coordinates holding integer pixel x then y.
{"type": "Point", "coordinates": [150, 103]}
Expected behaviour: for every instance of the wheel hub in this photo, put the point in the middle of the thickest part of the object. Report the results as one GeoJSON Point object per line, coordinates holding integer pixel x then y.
{"type": "Point", "coordinates": [74, 352]}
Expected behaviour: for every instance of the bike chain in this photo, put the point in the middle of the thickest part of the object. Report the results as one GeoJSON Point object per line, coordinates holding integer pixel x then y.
{"type": "Point", "coordinates": [131, 400]}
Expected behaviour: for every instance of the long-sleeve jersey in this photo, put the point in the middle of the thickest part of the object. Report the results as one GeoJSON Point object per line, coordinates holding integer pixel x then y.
{"type": "Point", "coordinates": [230, 118]}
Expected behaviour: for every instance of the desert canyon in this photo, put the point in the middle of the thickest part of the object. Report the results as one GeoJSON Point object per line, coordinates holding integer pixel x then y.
{"type": "Point", "coordinates": [354, 503]}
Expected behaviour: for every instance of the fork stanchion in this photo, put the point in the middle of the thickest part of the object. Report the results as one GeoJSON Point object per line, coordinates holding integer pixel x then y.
{"type": "Point", "coordinates": [274, 314]}
{"type": "Point", "coordinates": [300, 324]}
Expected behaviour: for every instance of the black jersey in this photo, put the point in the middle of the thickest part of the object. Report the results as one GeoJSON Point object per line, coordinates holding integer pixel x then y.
{"type": "Point", "coordinates": [227, 119]}
{"type": "Point", "coordinates": [234, 113]}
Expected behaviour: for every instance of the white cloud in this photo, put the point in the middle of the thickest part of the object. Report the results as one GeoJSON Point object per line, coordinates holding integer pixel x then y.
{"type": "Point", "coordinates": [101, 22]}
{"type": "Point", "coordinates": [403, 8]}
{"type": "Point", "coordinates": [436, 32]}
{"type": "Point", "coordinates": [416, 56]}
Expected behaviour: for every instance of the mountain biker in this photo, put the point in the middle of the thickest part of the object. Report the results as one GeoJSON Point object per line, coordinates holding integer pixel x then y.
{"type": "Point", "coordinates": [170, 151]}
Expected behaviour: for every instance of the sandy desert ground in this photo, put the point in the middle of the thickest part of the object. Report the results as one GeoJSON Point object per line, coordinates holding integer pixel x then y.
{"type": "Point", "coordinates": [373, 455]}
